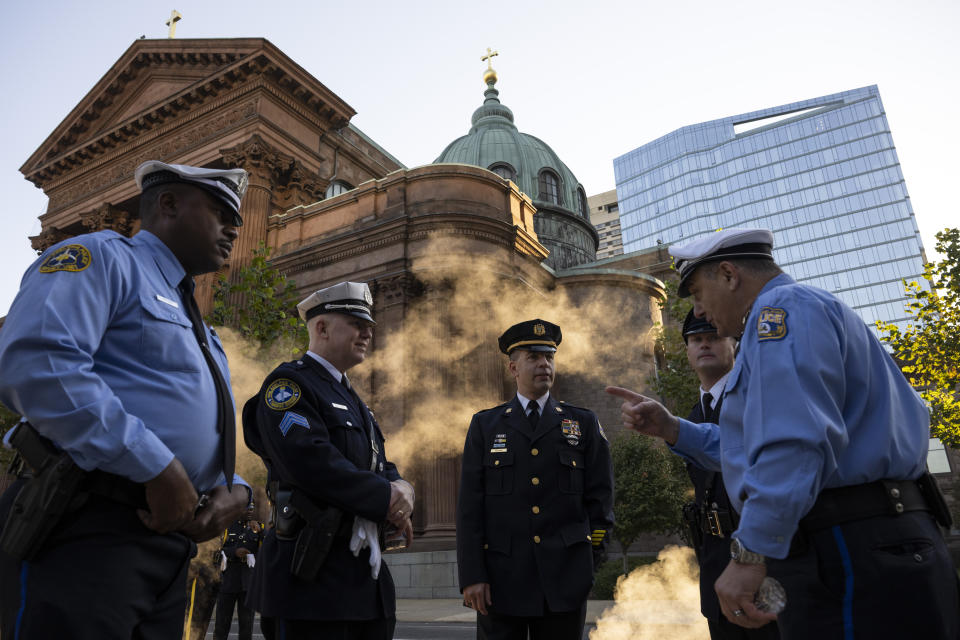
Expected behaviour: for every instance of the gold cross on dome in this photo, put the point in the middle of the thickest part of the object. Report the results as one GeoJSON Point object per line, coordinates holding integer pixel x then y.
{"type": "Point", "coordinates": [489, 57]}
{"type": "Point", "coordinates": [175, 17]}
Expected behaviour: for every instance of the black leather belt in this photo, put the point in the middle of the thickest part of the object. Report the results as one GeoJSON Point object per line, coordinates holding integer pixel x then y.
{"type": "Point", "coordinates": [116, 488]}
{"type": "Point", "coordinates": [860, 501]}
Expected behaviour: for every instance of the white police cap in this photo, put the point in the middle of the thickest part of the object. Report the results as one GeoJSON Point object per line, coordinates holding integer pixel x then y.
{"type": "Point", "coordinates": [227, 185]}
{"type": "Point", "coordinates": [727, 244]}
{"type": "Point", "coordinates": [351, 298]}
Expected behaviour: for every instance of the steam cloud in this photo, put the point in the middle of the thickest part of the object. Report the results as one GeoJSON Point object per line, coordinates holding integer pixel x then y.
{"type": "Point", "coordinates": [658, 601]}
{"type": "Point", "coordinates": [443, 364]}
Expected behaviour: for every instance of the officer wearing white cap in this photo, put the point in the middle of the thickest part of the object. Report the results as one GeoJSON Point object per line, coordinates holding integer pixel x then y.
{"type": "Point", "coordinates": [535, 503]}
{"type": "Point", "coordinates": [106, 356]}
{"type": "Point", "coordinates": [320, 571]}
{"type": "Point", "coordinates": [824, 449]}
{"type": "Point", "coordinates": [710, 517]}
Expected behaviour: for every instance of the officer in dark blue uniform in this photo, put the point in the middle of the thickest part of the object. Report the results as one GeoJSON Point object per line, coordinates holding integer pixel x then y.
{"type": "Point", "coordinates": [105, 353]}
{"type": "Point", "coordinates": [320, 570]}
{"type": "Point", "coordinates": [711, 517]}
{"type": "Point", "coordinates": [824, 447]}
{"type": "Point", "coordinates": [535, 503]}
{"type": "Point", "coordinates": [238, 555]}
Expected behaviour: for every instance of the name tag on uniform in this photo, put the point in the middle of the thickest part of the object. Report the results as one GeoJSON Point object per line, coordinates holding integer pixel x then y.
{"type": "Point", "coordinates": [168, 301]}
{"type": "Point", "coordinates": [339, 406]}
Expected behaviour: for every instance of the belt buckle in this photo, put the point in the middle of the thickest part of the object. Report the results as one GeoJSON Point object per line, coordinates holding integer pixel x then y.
{"type": "Point", "coordinates": [713, 521]}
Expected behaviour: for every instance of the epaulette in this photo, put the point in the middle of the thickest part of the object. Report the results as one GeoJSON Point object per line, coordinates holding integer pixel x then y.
{"type": "Point", "coordinates": [567, 405]}
{"type": "Point", "coordinates": [499, 406]}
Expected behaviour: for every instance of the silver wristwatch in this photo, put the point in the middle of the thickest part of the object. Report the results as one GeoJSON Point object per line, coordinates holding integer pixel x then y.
{"type": "Point", "coordinates": [739, 553]}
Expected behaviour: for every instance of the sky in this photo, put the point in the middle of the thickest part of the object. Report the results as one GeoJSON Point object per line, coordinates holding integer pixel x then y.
{"type": "Point", "coordinates": [592, 79]}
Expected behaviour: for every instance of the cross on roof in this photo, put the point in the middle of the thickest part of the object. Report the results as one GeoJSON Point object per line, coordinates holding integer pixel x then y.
{"type": "Point", "coordinates": [489, 57]}
{"type": "Point", "coordinates": [172, 22]}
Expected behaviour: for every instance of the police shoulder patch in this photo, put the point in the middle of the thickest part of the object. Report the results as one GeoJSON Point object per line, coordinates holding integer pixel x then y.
{"type": "Point", "coordinates": [771, 323]}
{"type": "Point", "coordinates": [282, 394]}
{"type": "Point", "coordinates": [72, 257]}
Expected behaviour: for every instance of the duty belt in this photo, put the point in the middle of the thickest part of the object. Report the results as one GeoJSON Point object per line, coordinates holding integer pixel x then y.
{"type": "Point", "coordinates": [879, 498]}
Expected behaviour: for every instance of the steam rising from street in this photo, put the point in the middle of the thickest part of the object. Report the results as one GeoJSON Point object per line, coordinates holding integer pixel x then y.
{"type": "Point", "coordinates": [659, 601]}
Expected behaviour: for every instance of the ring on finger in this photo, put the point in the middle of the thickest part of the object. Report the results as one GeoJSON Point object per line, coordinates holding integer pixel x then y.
{"type": "Point", "coordinates": [738, 612]}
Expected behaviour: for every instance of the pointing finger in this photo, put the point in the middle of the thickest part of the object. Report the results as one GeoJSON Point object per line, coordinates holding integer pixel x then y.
{"type": "Point", "coordinates": [626, 394]}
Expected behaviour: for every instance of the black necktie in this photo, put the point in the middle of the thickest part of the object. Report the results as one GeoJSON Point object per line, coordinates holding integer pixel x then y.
{"type": "Point", "coordinates": [226, 420]}
{"type": "Point", "coordinates": [707, 407]}
{"type": "Point", "coordinates": [534, 415]}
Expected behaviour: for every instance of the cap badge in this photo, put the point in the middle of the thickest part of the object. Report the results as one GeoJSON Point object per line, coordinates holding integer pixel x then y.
{"type": "Point", "coordinates": [242, 185]}
{"type": "Point", "coordinates": [73, 257]}
{"type": "Point", "coordinates": [282, 394]}
{"type": "Point", "coordinates": [771, 323]}
{"type": "Point", "coordinates": [539, 329]}
{"type": "Point", "coordinates": [367, 296]}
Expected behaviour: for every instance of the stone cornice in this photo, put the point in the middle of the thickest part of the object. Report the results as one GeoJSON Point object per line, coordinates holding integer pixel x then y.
{"type": "Point", "coordinates": [268, 67]}
{"type": "Point", "coordinates": [119, 166]}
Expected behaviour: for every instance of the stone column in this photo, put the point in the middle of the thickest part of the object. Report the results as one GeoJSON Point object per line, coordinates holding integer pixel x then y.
{"type": "Point", "coordinates": [265, 165]}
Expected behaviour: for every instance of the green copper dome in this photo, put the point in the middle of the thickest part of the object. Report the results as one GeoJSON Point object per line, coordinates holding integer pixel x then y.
{"type": "Point", "coordinates": [495, 143]}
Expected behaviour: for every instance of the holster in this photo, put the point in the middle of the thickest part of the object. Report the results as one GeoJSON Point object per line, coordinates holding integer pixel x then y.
{"type": "Point", "coordinates": [53, 490]}
{"type": "Point", "coordinates": [691, 518]}
{"type": "Point", "coordinates": [934, 496]}
{"type": "Point", "coordinates": [319, 528]}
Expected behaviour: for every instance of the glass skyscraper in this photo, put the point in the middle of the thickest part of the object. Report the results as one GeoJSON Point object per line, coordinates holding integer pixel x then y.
{"type": "Point", "coordinates": [822, 174]}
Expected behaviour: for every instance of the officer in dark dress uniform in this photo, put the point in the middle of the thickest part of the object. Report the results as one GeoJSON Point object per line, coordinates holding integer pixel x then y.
{"type": "Point", "coordinates": [535, 503]}
{"type": "Point", "coordinates": [711, 517]}
{"type": "Point", "coordinates": [320, 570]}
{"type": "Point", "coordinates": [240, 547]}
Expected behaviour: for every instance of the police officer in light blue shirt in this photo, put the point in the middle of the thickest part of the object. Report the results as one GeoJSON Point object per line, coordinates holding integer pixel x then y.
{"type": "Point", "coordinates": [104, 353]}
{"type": "Point", "coordinates": [822, 445]}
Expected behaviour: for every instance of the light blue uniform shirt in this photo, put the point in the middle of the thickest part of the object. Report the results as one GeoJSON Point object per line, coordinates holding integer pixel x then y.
{"type": "Point", "coordinates": [813, 402]}
{"type": "Point", "coordinates": [98, 352]}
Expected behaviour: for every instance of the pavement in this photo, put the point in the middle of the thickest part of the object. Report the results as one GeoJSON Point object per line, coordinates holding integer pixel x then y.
{"type": "Point", "coordinates": [452, 610]}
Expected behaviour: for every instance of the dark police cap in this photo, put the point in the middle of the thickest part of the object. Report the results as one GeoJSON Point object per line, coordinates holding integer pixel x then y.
{"type": "Point", "coordinates": [726, 244]}
{"type": "Point", "coordinates": [226, 185]}
{"type": "Point", "coordinates": [532, 335]}
{"type": "Point", "coordinates": [693, 325]}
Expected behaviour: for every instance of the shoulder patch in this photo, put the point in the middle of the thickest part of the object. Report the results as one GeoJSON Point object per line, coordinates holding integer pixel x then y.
{"type": "Point", "coordinates": [72, 257]}
{"type": "Point", "coordinates": [282, 394]}
{"type": "Point", "coordinates": [771, 323]}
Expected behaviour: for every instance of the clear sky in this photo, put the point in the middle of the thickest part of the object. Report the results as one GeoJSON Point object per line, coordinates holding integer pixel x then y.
{"type": "Point", "coordinates": [593, 79]}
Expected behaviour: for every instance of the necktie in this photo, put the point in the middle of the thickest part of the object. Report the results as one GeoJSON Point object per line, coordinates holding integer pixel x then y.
{"type": "Point", "coordinates": [707, 401]}
{"type": "Point", "coordinates": [534, 415]}
{"type": "Point", "coordinates": [226, 420]}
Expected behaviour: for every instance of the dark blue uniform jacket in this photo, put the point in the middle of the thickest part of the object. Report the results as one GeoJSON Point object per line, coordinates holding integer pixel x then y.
{"type": "Point", "coordinates": [528, 503]}
{"type": "Point", "coordinates": [315, 436]}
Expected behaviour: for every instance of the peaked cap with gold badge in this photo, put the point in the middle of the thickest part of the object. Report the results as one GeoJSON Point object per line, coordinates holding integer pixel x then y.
{"type": "Point", "coordinates": [532, 335]}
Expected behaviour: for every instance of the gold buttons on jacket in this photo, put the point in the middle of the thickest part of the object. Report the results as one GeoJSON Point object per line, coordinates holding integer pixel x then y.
{"type": "Point", "coordinates": [536, 539]}
{"type": "Point", "coordinates": [573, 462]}
{"type": "Point", "coordinates": [496, 463]}
{"type": "Point", "coordinates": [535, 480]}
{"type": "Point", "coordinates": [535, 509]}
{"type": "Point", "coordinates": [534, 451]}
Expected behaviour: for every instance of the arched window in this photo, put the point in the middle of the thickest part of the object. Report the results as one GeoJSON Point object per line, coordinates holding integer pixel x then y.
{"type": "Point", "coordinates": [336, 187]}
{"type": "Point", "coordinates": [582, 201]}
{"type": "Point", "coordinates": [504, 170]}
{"type": "Point", "coordinates": [550, 187]}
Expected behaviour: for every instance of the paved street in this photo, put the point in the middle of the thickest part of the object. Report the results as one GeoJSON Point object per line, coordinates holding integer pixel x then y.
{"type": "Point", "coordinates": [411, 631]}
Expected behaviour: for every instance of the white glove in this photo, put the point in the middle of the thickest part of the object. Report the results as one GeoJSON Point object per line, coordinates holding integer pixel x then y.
{"type": "Point", "coordinates": [251, 560]}
{"type": "Point", "coordinates": [365, 535]}
{"type": "Point", "coordinates": [223, 561]}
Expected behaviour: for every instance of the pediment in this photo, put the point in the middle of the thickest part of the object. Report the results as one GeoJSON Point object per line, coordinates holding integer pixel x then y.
{"type": "Point", "coordinates": [155, 81]}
